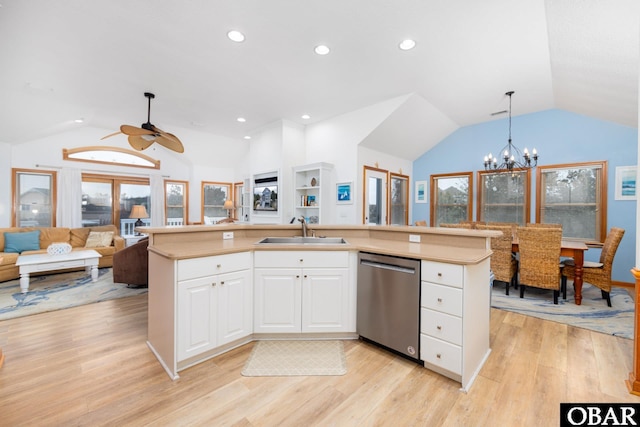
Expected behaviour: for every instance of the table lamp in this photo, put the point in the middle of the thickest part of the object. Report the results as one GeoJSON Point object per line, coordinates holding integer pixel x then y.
{"type": "Point", "coordinates": [138, 211]}
{"type": "Point", "coordinates": [228, 205]}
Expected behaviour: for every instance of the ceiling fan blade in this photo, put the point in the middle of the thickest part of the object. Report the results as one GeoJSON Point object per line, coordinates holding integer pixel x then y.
{"type": "Point", "coordinates": [170, 141]}
{"type": "Point", "coordinates": [110, 135]}
{"type": "Point", "coordinates": [140, 143]}
{"type": "Point", "coordinates": [133, 130]}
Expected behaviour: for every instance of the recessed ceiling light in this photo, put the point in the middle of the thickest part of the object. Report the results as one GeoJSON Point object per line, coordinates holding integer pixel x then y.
{"type": "Point", "coordinates": [407, 44]}
{"type": "Point", "coordinates": [236, 36]}
{"type": "Point", "coordinates": [241, 119]}
{"type": "Point", "coordinates": [80, 120]}
{"type": "Point", "coordinates": [322, 49]}
{"type": "Point", "coordinates": [306, 116]}
{"type": "Point", "coordinates": [247, 137]}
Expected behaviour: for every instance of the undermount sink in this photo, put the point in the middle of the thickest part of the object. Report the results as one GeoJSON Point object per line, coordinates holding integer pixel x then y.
{"type": "Point", "coordinates": [303, 240]}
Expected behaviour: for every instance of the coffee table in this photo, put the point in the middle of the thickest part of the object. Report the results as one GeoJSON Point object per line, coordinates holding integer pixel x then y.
{"type": "Point", "coordinates": [45, 262]}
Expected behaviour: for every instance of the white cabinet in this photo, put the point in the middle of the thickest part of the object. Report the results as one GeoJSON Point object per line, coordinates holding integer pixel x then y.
{"type": "Point", "coordinates": [214, 302]}
{"type": "Point", "coordinates": [314, 192]}
{"type": "Point", "coordinates": [303, 291]}
{"type": "Point", "coordinates": [454, 319]}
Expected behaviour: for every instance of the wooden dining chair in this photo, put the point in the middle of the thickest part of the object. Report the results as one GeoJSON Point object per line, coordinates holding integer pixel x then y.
{"type": "Point", "coordinates": [456, 225]}
{"type": "Point", "coordinates": [421, 223]}
{"type": "Point", "coordinates": [539, 250]}
{"type": "Point", "coordinates": [503, 262]}
{"type": "Point", "coordinates": [598, 273]}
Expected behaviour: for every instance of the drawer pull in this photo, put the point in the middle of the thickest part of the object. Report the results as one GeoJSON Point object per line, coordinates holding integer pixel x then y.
{"type": "Point", "coordinates": [301, 260]}
{"type": "Point", "coordinates": [213, 284]}
{"type": "Point", "coordinates": [297, 276]}
{"type": "Point", "coordinates": [439, 327]}
{"type": "Point", "coordinates": [305, 276]}
{"type": "Point", "coordinates": [439, 274]}
{"type": "Point", "coordinates": [439, 299]}
{"type": "Point", "coordinates": [439, 356]}
{"type": "Point", "coordinates": [219, 265]}
{"type": "Point", "coordinates": [221, 283]}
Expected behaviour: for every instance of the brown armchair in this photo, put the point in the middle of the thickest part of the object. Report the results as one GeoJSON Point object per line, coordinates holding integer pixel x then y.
{"type": "Point", "coordinates": [131, 265]}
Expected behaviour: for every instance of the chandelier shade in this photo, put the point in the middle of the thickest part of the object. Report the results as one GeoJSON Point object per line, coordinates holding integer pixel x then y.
{"type": "Point", "coordinates": [510, 157]}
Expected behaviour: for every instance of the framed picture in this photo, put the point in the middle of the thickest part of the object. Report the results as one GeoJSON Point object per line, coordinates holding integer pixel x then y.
{"type": "Point", "coordinates": [421, 191]}
{"type": "Point", "coordinates": [626, 182]}
{"type": "Point", "coordinates": [343, 193]}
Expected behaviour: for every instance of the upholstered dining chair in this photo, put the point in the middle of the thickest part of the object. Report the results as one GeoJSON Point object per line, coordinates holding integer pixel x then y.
{"type": "Point", "coordinates": [598, 273]}
{"type": "Point", "coordinates": [503, 262]}
{"type": "Point", "coordinates": [539, 250]}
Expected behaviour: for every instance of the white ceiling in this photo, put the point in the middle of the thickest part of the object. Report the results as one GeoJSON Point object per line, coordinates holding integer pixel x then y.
{"type": "Point", "coordinates": [66, 59]}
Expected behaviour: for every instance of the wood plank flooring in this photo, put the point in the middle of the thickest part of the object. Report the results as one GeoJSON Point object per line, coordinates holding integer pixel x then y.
{"type": "Point", "coordinates": [90, 366]}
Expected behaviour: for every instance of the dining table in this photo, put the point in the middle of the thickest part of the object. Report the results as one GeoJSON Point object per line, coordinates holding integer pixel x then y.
{"type": "Point", "coordinates": [573, 249]}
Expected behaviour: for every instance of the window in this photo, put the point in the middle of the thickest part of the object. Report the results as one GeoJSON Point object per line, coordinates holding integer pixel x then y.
{"type": "Point", "coordinates": [238, 202]}
{"type": "Point", "coordinates": [399, 198]}
{"type": "Point", "coordinates": [504, 196]}
{"type": "Point", "coordinates": [110, 156]}
{"type": "Point", "coordinates": [214, 194]}
{"type": "Point", "coordinates": [34, 198]}
{"type": "Point", "coordinates": [108, 200]}
{"type": "Point", "coordinates": [375, 196]}
{"type": "Point", "coordinates": [175, 199]}
{"type": "Point", "coordinates": [451, 198]}
{"type": "Point", "coordinates": [574, 195]}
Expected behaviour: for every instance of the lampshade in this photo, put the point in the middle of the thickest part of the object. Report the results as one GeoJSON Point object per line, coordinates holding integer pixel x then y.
{"type": "Point", "coordinates": [228, 205]}
{"type": "Point", "coordinates": [138, 211]}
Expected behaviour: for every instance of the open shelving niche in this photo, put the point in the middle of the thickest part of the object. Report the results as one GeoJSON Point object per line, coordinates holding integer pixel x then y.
{"type": "Point", "coordinates": [314, 192]}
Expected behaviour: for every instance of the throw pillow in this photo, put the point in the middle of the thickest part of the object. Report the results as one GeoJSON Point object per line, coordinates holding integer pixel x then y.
{"type": "Point", "coordinates": [98, 239]}
{"type": "Point", "coordinates": [20, 242]}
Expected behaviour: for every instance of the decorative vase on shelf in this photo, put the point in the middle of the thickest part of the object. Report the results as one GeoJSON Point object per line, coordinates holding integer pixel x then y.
{"type": "Point", "coordinates": [313, 182]}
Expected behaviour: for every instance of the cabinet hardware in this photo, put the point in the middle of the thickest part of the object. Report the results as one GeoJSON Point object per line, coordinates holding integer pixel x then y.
{"type": "Point", "coordinates": [297, 276]}
{"type": "Point", "coordinates": [213, 284]}
{"type": "Point", "coordinates": [301, 260]}
{"type": "Point", "coordinates": [305, 276]}
{"type": "Point", "coordinates": [219, 265]}
{"type": "Point", "coordinates": [221, 283]}
{"type": "Point", "coordinates": [439, 327]}
{"type": "Point", "coordinates": [439, 274]}
{"type": "Point", "coordinates": [439, 356]}
{"type": "Point", "coordinates": [439, 299]}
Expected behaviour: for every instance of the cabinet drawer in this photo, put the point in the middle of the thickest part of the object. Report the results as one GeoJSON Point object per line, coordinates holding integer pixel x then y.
{"type": "Point", "coordinates": [441, 298]}
{"type": "Point", "coordinates": [297, 259]}
{"type": "Point", "coordinates": [440, 325]}
{"type": "Point", "coordinates": [206, 266]}
{"type": "Point", "coordinates": [444, 274]}
{"type": "Point", "coordinates": [440, 353]}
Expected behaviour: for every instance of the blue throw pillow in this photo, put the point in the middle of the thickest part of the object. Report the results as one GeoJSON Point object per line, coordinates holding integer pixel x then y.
{"type": "Point", "coordinates": [20, 242]}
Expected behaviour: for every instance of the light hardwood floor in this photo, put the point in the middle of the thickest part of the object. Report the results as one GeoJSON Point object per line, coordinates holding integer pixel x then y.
{"type": "Point", "coordinates": [90, 366]}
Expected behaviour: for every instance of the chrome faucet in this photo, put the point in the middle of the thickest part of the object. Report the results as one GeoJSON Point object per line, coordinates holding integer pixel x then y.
{"type": "Point", "coordinates": [304, 226]}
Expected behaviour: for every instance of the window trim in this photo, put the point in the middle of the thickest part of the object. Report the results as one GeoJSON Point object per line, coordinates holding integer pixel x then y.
{"type": "Point", "coordinates": [527, 193]}
{"type": "Point", "coordinates": [14, 195]}
{"type": "Point", "coordinates": [69, 153]}
{"type": "Point", "coordinates": [434, 194]}
{"type": "Point", "coordinates": [185, 198]}
{"type": "Point", "coordinates": [602, 232]}
{"type": "Point", "coordinates": [229, 186]}
{"type": "Point", "coordinates": [364, 193]}
{"type": "Point", "coordinates": [400, 176]}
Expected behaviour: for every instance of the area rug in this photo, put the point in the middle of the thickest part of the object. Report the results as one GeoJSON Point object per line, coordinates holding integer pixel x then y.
{"type": "Point", "coordinates": [59, 291]}
{"type": "Point", "coordinates": [291, 358]}
{"type": "Point", "coordinates": [593, 313]}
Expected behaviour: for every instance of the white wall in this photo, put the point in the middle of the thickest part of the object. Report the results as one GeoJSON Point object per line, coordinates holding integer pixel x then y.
{"type": "Point", "coordinates": [5, 190]}
{"type": "Point", "coordinates": [337, 140]}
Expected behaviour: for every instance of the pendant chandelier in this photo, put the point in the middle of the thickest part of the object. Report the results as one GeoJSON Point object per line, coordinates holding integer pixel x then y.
{"type": "Point", "coordinates": [512, 158]}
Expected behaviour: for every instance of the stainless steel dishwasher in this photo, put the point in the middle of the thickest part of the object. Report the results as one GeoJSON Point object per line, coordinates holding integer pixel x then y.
{"type": "Point", "coordinates": [389, 302]}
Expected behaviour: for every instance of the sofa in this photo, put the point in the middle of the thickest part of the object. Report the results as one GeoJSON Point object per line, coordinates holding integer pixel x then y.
{"type": "Point", "coordinates": [131, 265]}
{"type": "Point", "coordinates": [76, 237]}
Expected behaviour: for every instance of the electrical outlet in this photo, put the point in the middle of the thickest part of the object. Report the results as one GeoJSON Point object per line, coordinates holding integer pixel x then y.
{"type": "Point", "coordinates": [415, 238]}
{"type": "Point", "coordinates": [227, 235]}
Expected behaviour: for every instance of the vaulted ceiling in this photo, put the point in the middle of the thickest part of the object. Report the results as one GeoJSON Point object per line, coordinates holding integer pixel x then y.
{"type": "Point", "coordinates": [68, 59]}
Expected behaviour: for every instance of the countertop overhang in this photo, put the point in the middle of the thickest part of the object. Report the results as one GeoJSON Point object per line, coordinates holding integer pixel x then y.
{"type": "Point", "coordinates": [451, 245]}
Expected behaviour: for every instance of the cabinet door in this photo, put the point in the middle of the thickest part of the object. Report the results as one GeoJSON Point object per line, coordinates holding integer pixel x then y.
{"type": "Point", "coordinates": [197, 305]}
{"type": "Point", "coordinates": [277, 296]}
{"type": "Point", "coordinates": [325, 300]}
{"type": "Point", "coordinates": [235, 306]}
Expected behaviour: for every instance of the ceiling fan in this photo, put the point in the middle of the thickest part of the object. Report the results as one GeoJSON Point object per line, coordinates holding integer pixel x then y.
{"type": "Point", "coordinates": [142, 137]}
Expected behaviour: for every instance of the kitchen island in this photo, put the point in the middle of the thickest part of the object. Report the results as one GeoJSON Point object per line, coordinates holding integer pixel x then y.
{"type": "Point", "coordinates": [213, 288]}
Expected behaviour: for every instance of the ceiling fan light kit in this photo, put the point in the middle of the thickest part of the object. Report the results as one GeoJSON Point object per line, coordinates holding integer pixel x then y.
{"type": "Point", "coordinates": [141, 138]}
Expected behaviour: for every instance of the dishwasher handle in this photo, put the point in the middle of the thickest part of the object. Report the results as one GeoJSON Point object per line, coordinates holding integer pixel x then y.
{"type": "Point", "coordinates": [384, 266]}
